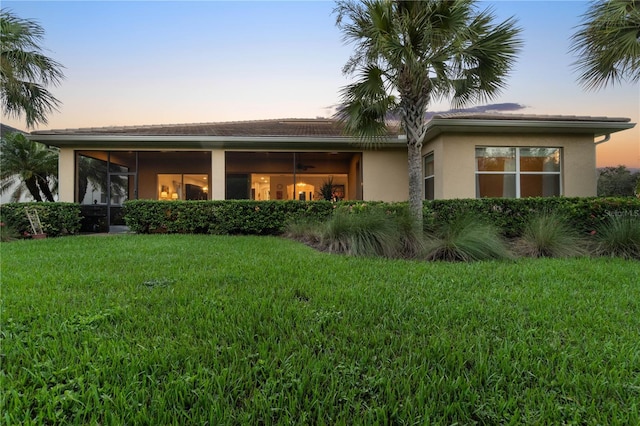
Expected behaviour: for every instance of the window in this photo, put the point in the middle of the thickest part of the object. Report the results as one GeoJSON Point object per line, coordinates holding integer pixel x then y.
{"type": "Point", "coordinates": [290, 175]}
{"type": "Point", "coordinates": [183, 187]}
{"type": "Point", "coordinates": [511, 172]}
{"type": "Point", "coordinates": [428, 171]}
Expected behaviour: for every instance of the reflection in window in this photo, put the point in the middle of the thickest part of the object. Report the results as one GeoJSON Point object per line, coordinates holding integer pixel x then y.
{"type": "Point", "coordinates": [517, 172]}
{"type": "Point", "coordinates": [183, 187]}
{"type": "Point", "coordinates": [92, 178]}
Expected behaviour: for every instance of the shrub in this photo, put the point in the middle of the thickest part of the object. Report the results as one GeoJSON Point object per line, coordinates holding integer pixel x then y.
{"type": "Point", "coordinates": [549, 235]}
{"type": "Point", "coordinates": [619, 236]}
{"type": "Point", "coordinates": [304, 230]}
{"type": "Point", "coordinates": [366, 233]}
{"type": "Point", "coordinates": [57, 218]}
{"type": "Point", "coordinates": [511, 215]}
{"type": "Point", "coordinates": [363, 229]}
{"type": "Point", "coordinates": [220, 217]}
{"type": "Point", "coordinates": [7, 232]}
{"type": "Point", "coordinates": [465, 239]}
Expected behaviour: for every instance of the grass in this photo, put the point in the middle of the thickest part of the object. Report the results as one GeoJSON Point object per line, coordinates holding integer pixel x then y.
{"type": "Point", "coordinates": [178, 329]}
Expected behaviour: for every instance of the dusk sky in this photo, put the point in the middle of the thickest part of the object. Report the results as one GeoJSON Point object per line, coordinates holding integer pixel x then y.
{"type": "Point", "coordinates": [160, 62]}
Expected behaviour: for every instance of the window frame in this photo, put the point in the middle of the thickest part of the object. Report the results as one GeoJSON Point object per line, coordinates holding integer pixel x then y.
{"type": "Point", "coordinates": [517, 172]}
{"type": "Point", "coordinates": [428, 158]}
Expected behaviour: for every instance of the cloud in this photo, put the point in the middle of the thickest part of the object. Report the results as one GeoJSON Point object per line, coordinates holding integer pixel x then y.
{"type": "Point", "coordinates": [507, 106]}
{"type": "Point", "coordinates": [331, 110]}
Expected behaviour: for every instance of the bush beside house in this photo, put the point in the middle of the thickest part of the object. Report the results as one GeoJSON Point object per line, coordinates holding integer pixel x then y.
{"type": "Point", "coordinates": [57, 218]}
{"type": "Point", "coordinates": [510, 216]}
{"type": "Point", "coordinates": [220, 217]}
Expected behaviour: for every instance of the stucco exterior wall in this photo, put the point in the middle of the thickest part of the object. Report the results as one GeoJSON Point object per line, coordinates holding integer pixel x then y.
{"type": "Point", "coordinates": [66, 175]}
{"type": "Point", "coordinates": [385, 176]}
{"type": "Point", "coordinates": [217, 175]}
{"type": "Point", "coordinates": [454, 161]}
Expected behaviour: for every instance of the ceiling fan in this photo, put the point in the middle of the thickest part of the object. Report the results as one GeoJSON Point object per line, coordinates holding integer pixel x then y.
{"type": "Point", "coordinates": [304, 167]}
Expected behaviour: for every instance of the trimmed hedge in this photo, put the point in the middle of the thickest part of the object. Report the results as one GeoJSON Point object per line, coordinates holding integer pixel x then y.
{"type": "Point", "coordinates": [220, 217]}
{"type": "Point", "coordinates": [57, 218]}
{"type": "Point", "coordinates": [511, 215]}
{"type": "Point", "coordinates": [271, 217]}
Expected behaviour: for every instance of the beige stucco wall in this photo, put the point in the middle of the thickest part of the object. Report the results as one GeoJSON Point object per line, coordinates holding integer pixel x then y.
{"type": "Point", "coordinates": [384, 175]}
{"type": "Point", "coordinates": [454, 161]}
{"type": "Point", "coordinates": [217, 175]}
{"type": "Point", "coordinates": [66, 177]}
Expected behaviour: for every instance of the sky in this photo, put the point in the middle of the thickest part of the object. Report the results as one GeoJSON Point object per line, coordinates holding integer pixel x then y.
{"type": "Point", "coordinates": [163, 62]}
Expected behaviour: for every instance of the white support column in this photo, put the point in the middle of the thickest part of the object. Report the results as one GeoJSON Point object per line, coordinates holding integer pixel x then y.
{"type": "Point", "coordinates": [217, 174]}
{"type": "Point", "coordinates": [66, 175]}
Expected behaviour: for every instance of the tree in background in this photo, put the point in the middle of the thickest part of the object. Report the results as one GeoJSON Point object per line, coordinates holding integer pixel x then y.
{"type": "Point", "coordinates": [617, 182]}
{"type": "Point", "coordinates": [409, 53]}
{"type": "Point", "coordinates": [608, 43]}
{"type": "Point", "coordinates": [30, 164]}
{"type": "Point", "coordinates": [25, 72]}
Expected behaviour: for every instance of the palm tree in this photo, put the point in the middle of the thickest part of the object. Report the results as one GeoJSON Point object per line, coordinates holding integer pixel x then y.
{"type": "Point", "coordinates": [25, 71]}
{"type": "Point", "coordinates": [408, 53]}
{"type": "Point", "coordinates": [608, 43]}
{"type": "Point", "coordinates": [28, 163]}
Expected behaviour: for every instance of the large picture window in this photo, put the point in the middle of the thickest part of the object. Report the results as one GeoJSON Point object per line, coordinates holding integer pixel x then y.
{"type": "Point", "coordinates": [512, 172]}
{"type": "Point", "coordinates": [292, 175]}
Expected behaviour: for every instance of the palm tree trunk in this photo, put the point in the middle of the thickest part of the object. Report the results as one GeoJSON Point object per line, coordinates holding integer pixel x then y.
{"type": "Point", "coordinates": [44, 187]}
{"type": "Point", "coordinates": [32, 186]}
{"type": "Point", "coordinates": [415, 183]}
{"type": "Point", "coordinates": [413, 108]}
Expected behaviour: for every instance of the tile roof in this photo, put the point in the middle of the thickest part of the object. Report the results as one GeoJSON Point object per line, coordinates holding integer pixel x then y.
{"type": "Point", "coordinates": [297, 127]}
{"type": "Point", "coordinates": [528, 117]}
{"type": "Point", "coordinates": [283, 127]}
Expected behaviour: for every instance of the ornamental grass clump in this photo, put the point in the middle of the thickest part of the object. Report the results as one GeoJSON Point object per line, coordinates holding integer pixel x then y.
{"type": "Point", "coordinates": [619, 236]}
{"type": "Point", "coordinates": [304, 230]}
{"type": "Point", "coordinates": [365, 233]}
{"type": "Point", "coordinates": [364, 230]}
{"type": "Point", "coordinates": [549, 235]}
{"type": "Point", "coordinates": [465, 239]}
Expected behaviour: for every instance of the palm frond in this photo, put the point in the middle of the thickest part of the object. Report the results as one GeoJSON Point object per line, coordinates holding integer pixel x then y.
{"type": "Point", "coordinates": [26, 162]}
{"type": "Point", "coordinates": [25, 71]}
{"type": "Point", "coordinates": [607, 44]}
{"type": "Point", "coordinates": [365, 105]}
{"type": "Point", "coordinates": [487, 55]}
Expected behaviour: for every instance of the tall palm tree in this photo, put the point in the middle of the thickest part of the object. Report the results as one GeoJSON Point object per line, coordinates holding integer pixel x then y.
{"type": "Point", "coordinates": [28, 163]}
{"type": "Point", "coordinates": [25, 71]}
{"type": "Point", "coordinates": [608, 43]}
{"type": "Point", "coordinates": [408, 53]}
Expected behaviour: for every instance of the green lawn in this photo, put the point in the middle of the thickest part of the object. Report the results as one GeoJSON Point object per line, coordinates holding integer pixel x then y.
{"type": "Point", "coordinates": [178, 329]}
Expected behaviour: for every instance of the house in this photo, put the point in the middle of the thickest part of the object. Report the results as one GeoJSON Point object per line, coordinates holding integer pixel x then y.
{"type": "Point", "coordinates": [465, 155]}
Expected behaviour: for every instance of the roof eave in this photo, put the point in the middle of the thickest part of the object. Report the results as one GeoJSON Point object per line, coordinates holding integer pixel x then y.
{"type": "Point", "coordinates": [438, 126]}
{"type": "Point", "coordinates": [205, 142]}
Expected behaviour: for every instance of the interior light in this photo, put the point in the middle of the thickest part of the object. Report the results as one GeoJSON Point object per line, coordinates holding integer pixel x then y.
{"type": "Point", "coordinates": [163, 194]}
{"type": "Point", "coordinates": [174, 196]}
